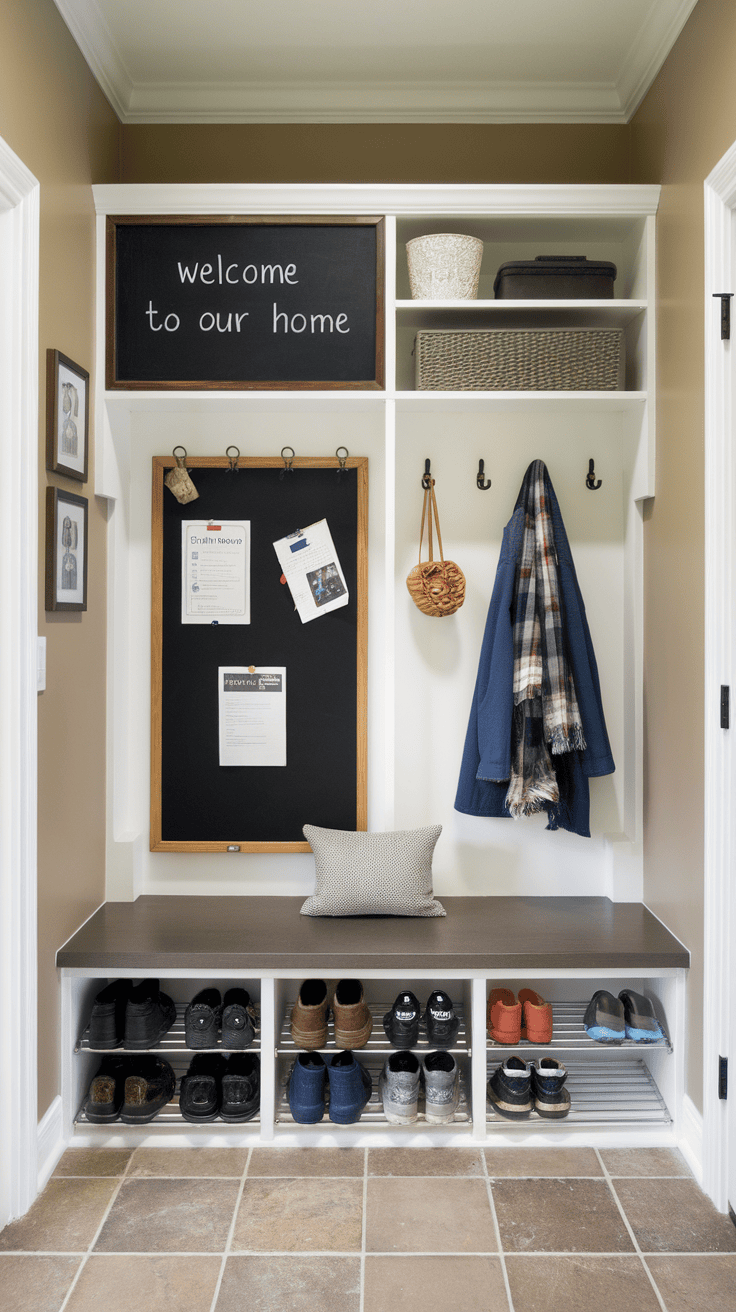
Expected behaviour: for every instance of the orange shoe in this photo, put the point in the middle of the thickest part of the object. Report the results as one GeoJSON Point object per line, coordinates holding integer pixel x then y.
{"type": "Point", "coordinates": [503, 1017]}
{"type": "Point", "coordinates": [536, 1025]}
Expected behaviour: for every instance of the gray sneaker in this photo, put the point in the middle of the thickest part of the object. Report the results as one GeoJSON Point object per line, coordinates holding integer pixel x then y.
{"type": "Point", "coordinates": [399, 1087]}
{"type": "Point", "coordinates": [442, 1087]}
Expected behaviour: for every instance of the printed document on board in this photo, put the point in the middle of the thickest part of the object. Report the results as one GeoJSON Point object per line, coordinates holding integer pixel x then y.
{"type": "Point", "coordinates": [312, 570]}
{"type": "Point", "coordinates": [252, 713]}
{"type": "Point", "coordinates": [215, 572]}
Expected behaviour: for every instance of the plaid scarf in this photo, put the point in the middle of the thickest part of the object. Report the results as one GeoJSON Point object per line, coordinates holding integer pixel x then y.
{"type": "Point", "coordinates": [546, 717]}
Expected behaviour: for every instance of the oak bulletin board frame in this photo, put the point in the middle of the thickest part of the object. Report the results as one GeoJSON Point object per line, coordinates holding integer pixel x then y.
{"type": "Point", "coordinates": [232, 842]}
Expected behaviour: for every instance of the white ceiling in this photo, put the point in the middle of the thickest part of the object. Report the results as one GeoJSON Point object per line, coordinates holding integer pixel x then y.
{"type": "Point", "coordinates": [375, 61]}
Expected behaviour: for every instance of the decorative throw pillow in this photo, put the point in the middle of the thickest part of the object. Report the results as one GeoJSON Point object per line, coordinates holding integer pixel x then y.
{"type": "Point", "coordinates": [362, 874]}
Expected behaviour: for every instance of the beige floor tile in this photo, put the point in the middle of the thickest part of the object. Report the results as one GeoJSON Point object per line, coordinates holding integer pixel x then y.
{"type": "Point", "coordinates": [425, 1161]}
{"type": "Point", "coordinates": [674, 1216]}
{"type": "Point", "coordinates": [128, 1284]}
{"type": "Point", "coordinates": [695, 1283]}
{"type": "Point", "coordinates": [63, 1219]}
{"type": "Point", "coordinates": [579, 1284]}
{"type": "Point", "coordinates": [296, 1284]}
{"type": "Point", "coordinates": [169, 1216]}
{"type": "Point", "coordinates": [503, 1163]}
{"type": "Point", "coordinates": [559, 1216]}
{"type": "Point", "coordinates": [644, 1161]}
{"type": "Point", "coordinates": [300, 1216]}
{"type": "Point", "coordinates": [306, 1162]}
{"type": "Point", "coordinates": [420, 1284]}
{"type": "Point", "coordinates": [420, 1215]}
{"type": "Point", "coordinates": [94, 1161]}
{"type": "Point", "coordinates": [35, 1284]}
{"type": "Point", "coordinates": [192, 1162]}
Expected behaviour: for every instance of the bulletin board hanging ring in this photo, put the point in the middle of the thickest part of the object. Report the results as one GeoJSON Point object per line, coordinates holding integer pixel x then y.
{"type": "Point", "coordinates": [233, 459]}
{"type": "Point", "coordinates": [342, 459]}
{"type": "Point", "coordinates": [288, 460]}
{"type": "Point", "coordinates": [179, 459]}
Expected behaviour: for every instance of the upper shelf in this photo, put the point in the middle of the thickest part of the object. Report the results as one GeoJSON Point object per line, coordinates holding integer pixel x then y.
{"type": "Point", "coordinates": [520, 314]}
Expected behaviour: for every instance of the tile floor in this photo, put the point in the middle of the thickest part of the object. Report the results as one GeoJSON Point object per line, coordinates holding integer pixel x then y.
{"type": "Point", "coordinates": [348, 1230]}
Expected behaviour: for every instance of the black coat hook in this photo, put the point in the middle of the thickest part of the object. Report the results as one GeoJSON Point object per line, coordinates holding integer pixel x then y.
{"type": "Point", "coordinates": [482, 485]}
{"type": "Point", "coordinates": [590, 479]}
{"type": "Point", "coordinates": [426, 479]}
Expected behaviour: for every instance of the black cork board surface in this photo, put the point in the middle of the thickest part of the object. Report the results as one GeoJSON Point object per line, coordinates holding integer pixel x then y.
{"type": "Point", "coordinates": [197, 804]}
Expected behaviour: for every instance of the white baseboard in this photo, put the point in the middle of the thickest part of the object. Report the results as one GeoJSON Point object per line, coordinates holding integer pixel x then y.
{"type": "Point", "coordinates": [691, 1138]}
{"type": "Point", "coordinates": [50, 1142]}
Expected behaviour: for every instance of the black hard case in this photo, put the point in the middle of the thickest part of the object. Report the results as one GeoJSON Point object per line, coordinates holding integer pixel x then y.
{"type": "Point", "coordinates": [555, 277]}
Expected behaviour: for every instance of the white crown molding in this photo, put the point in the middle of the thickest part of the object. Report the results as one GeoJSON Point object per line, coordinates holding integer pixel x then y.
{"type": "Point", "coordinates": [366, 198]}
{"type": "Point", "coordinates": [648, 51]}
{"type": "Point", "coordinates": [373, 102]}
{"type": "Point", "coordinates": [92, 34]}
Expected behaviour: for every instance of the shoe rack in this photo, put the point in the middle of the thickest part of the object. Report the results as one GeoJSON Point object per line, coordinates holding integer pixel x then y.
{"type": "Point", "coordinates": [621, 1094]}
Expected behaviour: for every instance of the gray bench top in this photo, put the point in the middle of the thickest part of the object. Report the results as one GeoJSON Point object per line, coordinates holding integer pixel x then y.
{"type": "Point", "coordinates": [268, 933]}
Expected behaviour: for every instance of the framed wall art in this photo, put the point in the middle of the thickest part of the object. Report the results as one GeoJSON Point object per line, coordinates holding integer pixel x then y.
{"type": "Point", "coordinates": [67, 416]}
{"type": "Point", "coordinates": [66, 550]}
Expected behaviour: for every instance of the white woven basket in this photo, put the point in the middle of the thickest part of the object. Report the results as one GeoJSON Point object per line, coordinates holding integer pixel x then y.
{"type": "Point", "coordinates": [444, 266]}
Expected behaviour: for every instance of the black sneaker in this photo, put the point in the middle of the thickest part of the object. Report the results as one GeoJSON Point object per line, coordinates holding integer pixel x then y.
{"type": "Point", "coordinates": [149, 1014]}
{"type": "Point", "coordinates": [241, 1087]}
{"type": "Point", "coordinates": [105, 1097]}
{"type": "Point", "coordinates": [107, 1022]}
{"type": "Point", "coordinates": [149, 1086]}
{"type": "Point", "coordinates": [401, 1023]}
{"type": "Point", "coordinates": [550, 1099]}
{"type": "Point", "coordinates": [509, 1090]}
{"type": "Point", "coordinates": [202, 1019]}
{"type": "Point", "coordinates": [442, 1023]}
{"type": "Point", "coordinates": [200, 1091]}
{"type": "Point", "coordinates": [237, 1026]}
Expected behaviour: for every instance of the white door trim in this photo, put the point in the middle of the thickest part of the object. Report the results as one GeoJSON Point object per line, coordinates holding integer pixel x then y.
{"type": "Point", "coordinates": [19, 257]}
{"type": "Point", "coordinates": [720, 570]}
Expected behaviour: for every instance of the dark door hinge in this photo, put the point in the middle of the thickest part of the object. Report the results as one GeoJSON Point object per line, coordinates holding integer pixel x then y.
{"type": "Point", "coordinates": [725, 706]}
{"type": "Point", "coordinates": [725, 299]}
{"type": "Point", "coordinates": [723, 1077]}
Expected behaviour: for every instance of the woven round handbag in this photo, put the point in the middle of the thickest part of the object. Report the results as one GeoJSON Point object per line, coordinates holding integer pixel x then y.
{"type": "Point", "coordinates": [437, 587]}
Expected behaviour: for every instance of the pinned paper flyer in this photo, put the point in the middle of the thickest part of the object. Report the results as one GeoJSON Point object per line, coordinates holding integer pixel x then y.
{"type": "Point", "coordinates": [215, 571]}
{"type": "Point", "coordinates": [313, 571]}
{"type": "Point", "coordinates": [252, 714]}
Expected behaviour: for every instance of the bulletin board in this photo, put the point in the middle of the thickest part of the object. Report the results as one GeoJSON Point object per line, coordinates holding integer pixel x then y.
{"type": "Point", "coordinates": [198, 805]}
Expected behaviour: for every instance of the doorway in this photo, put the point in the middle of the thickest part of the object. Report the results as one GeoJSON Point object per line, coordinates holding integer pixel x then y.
{"type": "Point", "coordinates": [19, 258]}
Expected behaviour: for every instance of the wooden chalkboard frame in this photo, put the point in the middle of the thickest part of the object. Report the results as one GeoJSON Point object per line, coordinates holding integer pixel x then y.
{"type": "Point", "coordinates": [113, 383]}
{"type": "Point", "coordinates": [161, 464]}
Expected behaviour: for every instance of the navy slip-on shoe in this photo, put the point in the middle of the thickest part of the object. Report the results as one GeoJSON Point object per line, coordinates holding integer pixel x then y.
{"type": "Point", "coordinates": [640, 1018]}
{"type": "Point", "coordinates": [350, 1088]}
{"type": "Point", "coordinates": [604, 1018]}
{"type": "Point", "coordinates": [307, 1088]}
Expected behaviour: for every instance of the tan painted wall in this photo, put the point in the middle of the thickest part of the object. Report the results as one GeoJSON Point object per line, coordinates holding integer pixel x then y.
{"type": "Point", "coordinates": [53, 115]}
{"type": "Point", "coordinates": [683, 127]}
{"type": "Point", "coordinates": [342, 152]}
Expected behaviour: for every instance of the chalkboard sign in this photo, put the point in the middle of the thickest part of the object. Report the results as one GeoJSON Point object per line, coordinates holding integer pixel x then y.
{"type": "Point", "coordinates": [244, 302]}
{"type": "Point", "coordinates": [198, 804]}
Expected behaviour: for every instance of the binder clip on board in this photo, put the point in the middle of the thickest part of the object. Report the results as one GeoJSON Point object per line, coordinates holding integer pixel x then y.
{"type": "Point", "coordinates": [178, 481]}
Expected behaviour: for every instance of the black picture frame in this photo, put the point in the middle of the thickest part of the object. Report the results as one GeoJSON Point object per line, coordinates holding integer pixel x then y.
{"type": "Point", "coordinates": [67, 416]}
{"type": "Point", "coordinates": [66, 554]}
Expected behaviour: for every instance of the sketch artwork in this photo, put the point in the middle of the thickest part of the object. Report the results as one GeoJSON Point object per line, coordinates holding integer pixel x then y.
{"type": "Point", "coordinates": [70, 406]}
{"type": "Point", "coordinates": [70, 541]}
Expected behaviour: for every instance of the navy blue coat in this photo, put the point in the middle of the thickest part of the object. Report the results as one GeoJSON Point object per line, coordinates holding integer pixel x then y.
{"type": "Point", "coordinates": [486, 763]}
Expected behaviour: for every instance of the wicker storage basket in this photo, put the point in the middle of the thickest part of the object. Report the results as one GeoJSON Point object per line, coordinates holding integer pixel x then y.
{"type": "Point", "coordinates": [519, 359]}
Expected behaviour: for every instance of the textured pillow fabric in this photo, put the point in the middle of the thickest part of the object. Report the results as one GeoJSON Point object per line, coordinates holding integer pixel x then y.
{"type": "Point", "coordinates": [373, 874]}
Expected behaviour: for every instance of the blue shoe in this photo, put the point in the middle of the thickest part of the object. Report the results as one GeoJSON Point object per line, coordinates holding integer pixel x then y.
{"type": "Point", "coordinates": [640, 1018]}
{"type": "Point", "coordinates": [307, 1088]}
{"type": "Point", "coordinates": [350, 1088]}
{"type": "Point", "coordinates": [604, 1018]}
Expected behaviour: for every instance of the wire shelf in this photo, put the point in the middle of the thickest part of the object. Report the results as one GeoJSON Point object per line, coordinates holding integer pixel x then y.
{"type": "Point", "coordinates": [373, 1113]}
{"type": "Point", "coordinates": [377, 1043]}
{"type": "Point", "coordinates": [602, 1093]}
{"type": "Point", "coordinates": [173, 1041]}
{"type": "Point", "coordinates": [569, 1034]}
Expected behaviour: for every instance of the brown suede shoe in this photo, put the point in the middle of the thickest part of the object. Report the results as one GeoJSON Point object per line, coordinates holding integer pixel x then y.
{"type": "Point", "coordinates": [309, 1015]}
{"type": "Point", "coordinates": [353, 1021]}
